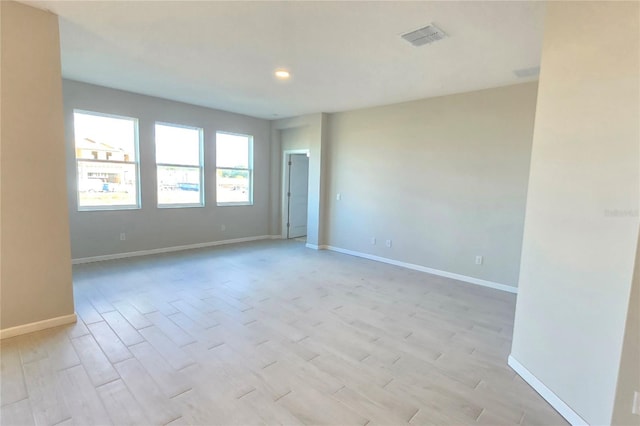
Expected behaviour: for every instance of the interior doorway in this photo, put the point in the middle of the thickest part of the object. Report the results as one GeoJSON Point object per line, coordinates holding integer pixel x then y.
{"type": "Point", "coordinates": [295, 194]}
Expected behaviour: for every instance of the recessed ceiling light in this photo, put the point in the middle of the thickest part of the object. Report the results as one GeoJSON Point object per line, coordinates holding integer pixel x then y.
{"type": "Point", "coordinates": [282, 74]}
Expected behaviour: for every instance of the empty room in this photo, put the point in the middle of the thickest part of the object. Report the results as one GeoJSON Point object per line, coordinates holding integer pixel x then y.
{"type": "Point", "coordinates": [319, 212]}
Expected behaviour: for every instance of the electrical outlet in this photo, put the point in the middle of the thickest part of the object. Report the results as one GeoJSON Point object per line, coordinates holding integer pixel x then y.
{"type": "Point", "coordinates": [123, 236]}
{"type": "Point", "coordinates": [388, 243]}
{"type": "Point", "coordinates": [373, 241]}
{"type": "Point", "coordinates": [636, 403]}
{"type": "Point", "coordinates": [223, 228]}
{"type": "Point", "coordinates": [338, 196]}
{"type": "Point", "coordinates": [479, 260]}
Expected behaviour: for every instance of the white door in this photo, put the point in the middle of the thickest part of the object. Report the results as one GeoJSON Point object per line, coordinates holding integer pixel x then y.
{"type": "Point", "coordinates": [298, 194]}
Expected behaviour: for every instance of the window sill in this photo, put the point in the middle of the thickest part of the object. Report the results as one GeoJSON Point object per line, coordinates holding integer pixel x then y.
{"type": "Point", "coordinates": [232, 204]}
{"type": "Point", "coordinates": [107, 208]}
{"type": "Point", "coordinates": [179, 206]}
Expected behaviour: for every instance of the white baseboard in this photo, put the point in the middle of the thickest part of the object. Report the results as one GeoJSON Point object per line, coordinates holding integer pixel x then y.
{"type": "Point", "coordinates": [421, 268]}
{"type": "Point", "coordinates": [170, 249]}
{"type": "Point", "coordinates": [37, 326]}
{"type": "Point", "coordinates": [312, 246]}
{"type": "Point", "coordinates": [553, 399]}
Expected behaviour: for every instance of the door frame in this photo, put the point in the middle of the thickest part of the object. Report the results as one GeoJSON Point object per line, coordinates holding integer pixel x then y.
{"type": "Point", "coordinates": [284, 207]}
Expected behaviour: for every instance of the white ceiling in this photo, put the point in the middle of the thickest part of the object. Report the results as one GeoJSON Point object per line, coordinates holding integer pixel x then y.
{"type": "Point", "coordinates": [342, 55]}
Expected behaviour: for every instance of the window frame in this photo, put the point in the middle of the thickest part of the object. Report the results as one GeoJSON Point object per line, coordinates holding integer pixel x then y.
{"type": "Point", "coordinates": [249, 170]}
{"type": "Point", "coordinates": [136, 163]}
{"type": "Point", "coordinates": [200, 166]}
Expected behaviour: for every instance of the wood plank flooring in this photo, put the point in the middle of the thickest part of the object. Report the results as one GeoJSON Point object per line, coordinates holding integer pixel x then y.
{"type": "Point", "coordinates": [270, 333]}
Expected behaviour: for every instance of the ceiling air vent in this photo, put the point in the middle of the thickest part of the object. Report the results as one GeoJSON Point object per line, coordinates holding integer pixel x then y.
{"type": "Point", "coordinates": [527, 72]}
{"type": "Point", "coordinates": [425, 35]}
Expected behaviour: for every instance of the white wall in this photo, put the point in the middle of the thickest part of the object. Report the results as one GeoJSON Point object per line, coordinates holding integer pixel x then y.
{"type": "Point", "coordinates": [582, 208]}
{"type": "Point", "coordinates": [36, 262]}
{"type": "Point", "coordinates": [629, 374]}
{"type": "Point", "coordinates": [444, 178]}
{"type": "Point", "coordinates": [97, 233]}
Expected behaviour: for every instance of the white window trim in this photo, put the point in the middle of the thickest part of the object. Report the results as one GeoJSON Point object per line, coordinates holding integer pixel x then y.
{"type": "Point", "coordinates": [200, 166]}
{"type": "Point", "coordinates": [250, 170]}
{"type": "Point", "coordinates": [136, 148]}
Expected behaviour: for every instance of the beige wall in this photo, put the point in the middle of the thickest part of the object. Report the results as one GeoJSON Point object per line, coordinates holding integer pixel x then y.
{"type": "Point", "coordinates": [97, 233]}
{"type": "Point", "coordinates": [295, 138]}
{"type": "Point", "coordinates": [444, 178]}
{"type": "Point", "coordinates": [629, 374]}
{"type": "Point", "coordinates": [36, 264]}
{"type": "Point", "coordinates": [582, 208]}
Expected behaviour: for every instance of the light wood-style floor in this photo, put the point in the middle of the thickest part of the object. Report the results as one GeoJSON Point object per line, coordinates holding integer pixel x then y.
{"type": "Point", "coordinates": [270, 333]}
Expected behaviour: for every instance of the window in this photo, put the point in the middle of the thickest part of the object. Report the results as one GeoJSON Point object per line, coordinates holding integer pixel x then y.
{"type": "Point", "coordinates": [106, 161]}
{"type": "Point", "coordinates": [234, 174]}
{"type": "Point", "coordinates": [179, 163]}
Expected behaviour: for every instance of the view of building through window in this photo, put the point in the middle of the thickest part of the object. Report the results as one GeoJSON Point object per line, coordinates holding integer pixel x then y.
{"type": "Point", "coordinates": [179, 165]}
{"type": "Point", "coordinates": [106, 148]}
{"type": "Point", "coordinates": [234, 174]}
{"type": "Point", "coordinates": [106, 160]}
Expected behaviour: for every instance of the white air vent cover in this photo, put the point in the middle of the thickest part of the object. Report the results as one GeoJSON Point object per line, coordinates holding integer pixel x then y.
{"type": "Point", "coordinates": [527, 72]}
{"type": "Point", "coordinates": [425, 35]}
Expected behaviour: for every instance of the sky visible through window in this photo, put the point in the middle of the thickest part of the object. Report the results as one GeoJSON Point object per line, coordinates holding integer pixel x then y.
{"type": "Point", "coordinates": [232, 150]}
{"type": "Point", "coordinates": [116, 132]}
{"type": "Point", "coordinates": [177, 145]}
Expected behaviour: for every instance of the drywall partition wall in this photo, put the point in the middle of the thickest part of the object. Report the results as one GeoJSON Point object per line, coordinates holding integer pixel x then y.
{"type": "Point", "coordinates": [445, 179]}
{"type": "Point", "coordinates": [295, 138]}
{"type": "Point", "coordinates": [304, 132]}
{"type": "Point", "coordinates": [582, 208]}
{"type": "Point", "coordinates": [36, 284]}
{"type": "Point", "coordinates": [97, 233]}
{"type": "Point", "coordinates": [629, 374]}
